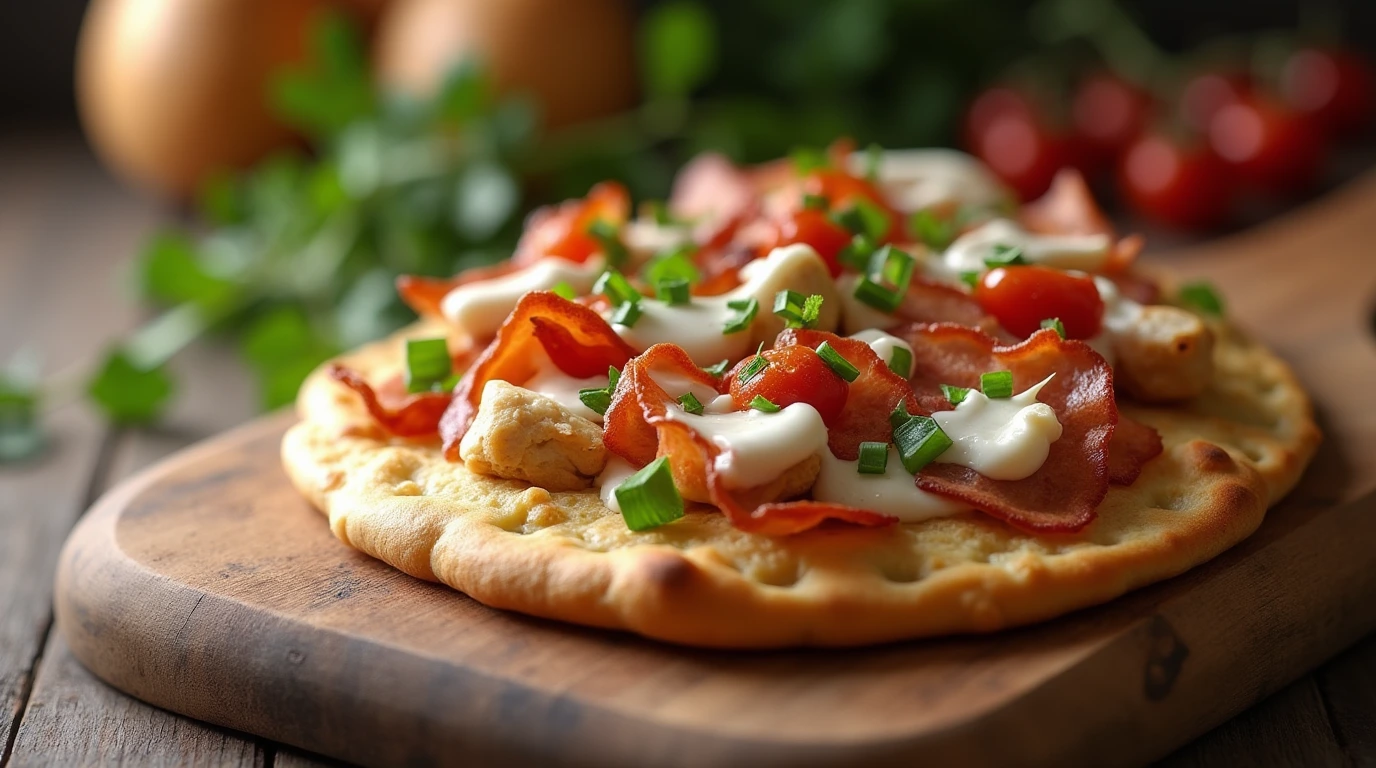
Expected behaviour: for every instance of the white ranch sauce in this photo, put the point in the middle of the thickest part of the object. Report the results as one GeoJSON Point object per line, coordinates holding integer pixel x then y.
{"type": "Point", "coordinates": [914, 179]}
{"type": "Point", "coordinates": [1000, 438]}
{"type": "Point", "coordinates": [883, 345]}
{"type": "Point", "coordinates": [1084, 252]}
{"type": "Point", "coordinates": [757, 447]}
{"type": "Point", "coordinates": [893, 493]}
{"type": "Point", "coordinates": [613, 475]}
{"type": "Point", "coordinates": [481, 308]}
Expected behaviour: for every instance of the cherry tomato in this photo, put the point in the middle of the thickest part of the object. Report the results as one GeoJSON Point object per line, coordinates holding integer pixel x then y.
{"type": "Point", "coordinates": [1336, 88]}
{"type": "Point", "coordinates": [989, 105]}
{"type": "Point", "coordinates": [1178, 184]}
{"type": "Point", "coordinates": [814, 228]}
{"type": "Point", "coordinates": [1108, 114]}
{"type": "Point", "coordinates": [1267, 144]}
{"type": "Point", "coordinates": [1023, 152]}
{"type": "Point", "coordinates": [794, 375]}
{"type": "Point", "coordinates": [1021, 297]}
{"type": "Point", "coordinates": [562, 230]}
{"type": "Point", "coordinates": [1208, 92]}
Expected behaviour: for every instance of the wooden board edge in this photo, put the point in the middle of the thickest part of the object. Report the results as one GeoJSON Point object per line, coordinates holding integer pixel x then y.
{"type": "Point", "coordinates": [1172, 701]}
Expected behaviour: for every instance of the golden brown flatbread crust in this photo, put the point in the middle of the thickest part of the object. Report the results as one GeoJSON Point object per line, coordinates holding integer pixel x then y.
{"type": "Point", "coordinates": [1228, 455]}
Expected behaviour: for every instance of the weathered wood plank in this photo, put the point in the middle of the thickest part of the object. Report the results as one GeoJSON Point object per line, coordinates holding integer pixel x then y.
{"type": "Point", "coordinates": [1289, 728]}
{"type": "Point", "coordinates": [1348, 685]}
{"type": "Point", "coordinates": [291, 758]}
{"type": "Point", "coordinates": [66, 236]}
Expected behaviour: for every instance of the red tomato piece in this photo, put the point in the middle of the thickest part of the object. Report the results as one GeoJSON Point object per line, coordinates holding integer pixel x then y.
{"type": "Point", "coordinates": [1024, 152]}
{"type": "Point", "coordinates": [1109, 113]}
{"type": "Point", "coordinates": [814, 228]}
{"type": "Point", "coordinates": [1267, 144]}
{"type": "Point", "coordinates": [1208, 92]}
{"type": "Point", "coordinates": [990, 105]}
{"type": "Point", "coordinates": [1181, 185]}
{"type": "Point", "coordinates": [562, 230]}
{"type": "Point", "coordinates": [1336, 88]}
{"type": "Point", "coordinates": [1022, 297]}
{"type": "Point", "coordinates": [794, 375]}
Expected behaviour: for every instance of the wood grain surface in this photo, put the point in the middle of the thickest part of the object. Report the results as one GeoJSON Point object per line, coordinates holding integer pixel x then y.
{"type": "Point", "coordinates": [66, 234]}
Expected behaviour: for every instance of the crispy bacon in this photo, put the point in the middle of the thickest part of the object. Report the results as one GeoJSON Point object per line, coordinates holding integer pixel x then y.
{"type": "Point", "coordinates": [576, 338]}
{"type": "Point", "coordinates": [1133, 445]}
{"type": "Point", "coordinates": [425, 294]}
{"type": "Point", "coordinates": [638, 428]}
{"type": "Point", "coordinates": [872, 396]}
{"type": "Point", "coordinates": [1061, 496]}
{"type": "Point", "coordinates": [930, 301]}
{"type": "Point", "coordinates": [413, 415]}
{"type": "Point", "coordinates": [562, 230]}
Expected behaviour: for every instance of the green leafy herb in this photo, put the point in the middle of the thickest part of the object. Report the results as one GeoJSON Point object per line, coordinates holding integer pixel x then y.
{"type": "Point", "coordinates": [427, 364]}
{"type": "Point", "coordinates": [1054, 323]}
{"type": "Point", "coordinates": [956, 395]}
{"type": "Point", "coordinates": [676, 264]}
{"type": "Point", "coordinates": [649, 498]}
{"type": "Point", "coordinates": [874, 458]}
{"type": "Point", "coordinates": [762, 403]}
{"type": "Point", "coordinates": [901, 360]}
{"type": "Point", "coordinates": [599, 399]}
{"type": "Point", "coordinates": [717, 370]}
{"type": "Point", "coordinates": [797, 311]}
{"type": "Point", "coordinates": [1202, 297]}
{"type": "Point", "coordinates": [863, 218]}
{"type": "Point", "coordinates": [838, 364]}
{"type": "Point", "coordinates": [996, 384]}
{"type": "Point", "coordinates": [130, 392]}
{"type": "Point", "coordinates": [745, 311]}
{"type": "Point", "coordinates": [564, 290]}
{"type": "Point", "coordinates": [690, 403]}
{"type": "Point", "coordinates": [1004, 255]}
{"type": "Point", "coordinates": [920, 441]}
{"type": "Point", "coordinates": [935, 232]}
{"type": "Point", "coordinates": [673, 291]}
{"type": "Point", "coordinates": [608, 235]}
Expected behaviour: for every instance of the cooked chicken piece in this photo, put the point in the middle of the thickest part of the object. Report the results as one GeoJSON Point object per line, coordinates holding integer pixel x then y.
{"type": "Point", "coordinates": [1167, 354]}
{"type": "Point", "coordinates": [523, 435]}
{"type": "Point", "coordinates": [801, 270]}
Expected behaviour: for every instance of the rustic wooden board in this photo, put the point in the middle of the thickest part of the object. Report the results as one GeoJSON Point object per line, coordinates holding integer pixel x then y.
{"type": "Point", "coordinates": [207, 587]}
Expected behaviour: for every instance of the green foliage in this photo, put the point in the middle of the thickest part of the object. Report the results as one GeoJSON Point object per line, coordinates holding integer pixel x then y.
{"type": "Point", "coordinates": [678, 48]}
{"type": "Point", "coordinates": [127, 392]}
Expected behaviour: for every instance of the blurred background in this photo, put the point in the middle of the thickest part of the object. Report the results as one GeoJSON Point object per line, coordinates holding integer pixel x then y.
{"type": "Point", "coordinates": [301, 153]}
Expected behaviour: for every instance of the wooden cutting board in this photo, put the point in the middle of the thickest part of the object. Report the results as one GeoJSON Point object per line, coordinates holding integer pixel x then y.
{"type": "Point", "coordinates": [208, 587]}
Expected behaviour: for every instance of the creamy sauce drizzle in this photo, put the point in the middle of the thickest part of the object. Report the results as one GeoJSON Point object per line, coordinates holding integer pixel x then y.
{"type": "Point", "coordinates": [481, 308]}
{"type": "Point", "coordinates": [757, 447]}
{"type": "Point", "coordinates": [856, 315]}
{"type": "Point", "coordinates": [893, 493]}
{"type": "Point", "coordinates": [614, 474]}
{"type": "Point", "coordinates": [914, 179]}
{"type": "Point", "coordinates": [883, 345]}
{"type": "Point", "coordinates": [1083, 252]}
{"type": "Point", "coordinates": [563, 388]}
{"type": "Point", "coordinates": [1000, 438]}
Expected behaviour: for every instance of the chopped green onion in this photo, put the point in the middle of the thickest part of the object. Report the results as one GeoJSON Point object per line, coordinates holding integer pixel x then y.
{"type": "Point", "coordinates": [970, 278]}
{"type": "Point", "coordinates": [1201, 296]}
{"type": "Point", "coordinates": [427, 364]}
{"type": "Point", "coordinates": [745, 313]}
{"type": "Point", "coordinates": [616, 287]}
{"type": "Point", "coordinates": [608, 235]}
{"type": "Point", "coordinates": [626, 314]}
{"type": "Point", "coordinates": [690, 403]}
{"type": "Point", "coordinates": [899, 414]}
{"type": "Point", "coordinates": [1054, 323]}
{"type": "Point", "coordinates": [797, 312]}
{"type": "Point", "coordinates": [874, 157]}
{"type": "Point", "coordinates": [808, 159]}
{"type": "Point", "coordinates": [753, 368]}
{"type": "Point", "coordinates": [599, 399]}
{"type": "Point", "coordinates": [1005, 255]}
{"type": "Point", "coordinates": [835, 362]}
{"type": "Point", "coordinates": [762, 403]}
{"type": "Point", "coordinates": [920, 441]}
{"type": "Point", "coordinates": [901, 361]}
{"type": "Point", "coordinates": [886, 279]}
{"type": "Point", "coordinates": [673, 292]}
{"type": "Point", "coordinates": [874, 458]}
{"type": "Point", "coordinates": [674, 264]}
{"type": "Point", "coordinates": [856, 254]}
{"type": "Point", "coordinates": [649, 498]}
{"type": "Point", "coordinates": [956, 395]}
{"type": "Point", "coordinates": [717, 370]}
{"type": "Point", "coordinates": [996, 384]}
{"type": "Point", "coordinates": [564, 290]}
{"type": "Point", "coordinates": [935, 232]}
{"type": "Point", "coordinates": [863, 218]}
{"type": "Point", "coordinates": [816, 202]}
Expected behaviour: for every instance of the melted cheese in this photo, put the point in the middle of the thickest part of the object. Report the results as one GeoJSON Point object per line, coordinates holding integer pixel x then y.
{"type": "Point", "coordinates": [1084, 252]}
{"type": "Point", "coordinates": [481, 308]}
{"type": "Point", "coordinates": [883, 345]}
{"type": "Point", "coordinates": [893, 493]}
{"type": "Point", "coordinates": [757, 447]}
{"type": "Point", "coordinates": [1000, 438]}
{"type": "Point", "coordinates": [914, 179]}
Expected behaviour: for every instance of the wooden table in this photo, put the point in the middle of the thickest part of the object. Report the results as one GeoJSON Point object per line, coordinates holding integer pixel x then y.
{"type": "Point", "coordinates": [67, 235]}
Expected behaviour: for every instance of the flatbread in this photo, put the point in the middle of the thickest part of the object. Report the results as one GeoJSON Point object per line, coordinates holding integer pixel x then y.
{"type": "Point", "coordinates": [1228, 455]}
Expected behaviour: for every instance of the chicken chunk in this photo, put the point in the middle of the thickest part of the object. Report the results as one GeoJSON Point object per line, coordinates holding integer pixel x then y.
{"type": "Point", "coordinates": [800, 269]}
{"type": "Point", "coordinates": [523, 435]}
{"type": "Point", "coordinates": [1166, 355]}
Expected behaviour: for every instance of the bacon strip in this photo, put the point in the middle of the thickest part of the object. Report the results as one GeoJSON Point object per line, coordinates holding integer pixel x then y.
{"type": "Point", "coordinates": [418, 415]}
{"type": "Point", "coordinates": [1133, 445]}
{"type": "Point", "coordinates": [577, 340]}
{"type": "Point", "coordinates": [638, 428]}
{"type": "Point", "coordinates": [930, 301]}
{"type": "Point", "coordinates": [425, 294]}
{"type": "Point", "coordinates": [872, 396]}
{"type": "Point", "coordinates": [1061, 496]}
{"type": "Point", "coordinates": [562, 230]}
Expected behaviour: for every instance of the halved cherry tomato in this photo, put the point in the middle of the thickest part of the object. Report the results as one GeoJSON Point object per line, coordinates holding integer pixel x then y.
{"type": "Point", "coordinates": [1267, 144]}
{"type": "Point", "coordinates": [794, 375]}
{"type": "Point", "coordinates": [1336, 88]}
{"type": "Point", "coordinates": [1176, 183]}
{"type": "Point", "coordinates": [1109, 113]}
{"type": "Point", "coordinates": [1021, 297]}
{"type": "Point", "coordinates": [814, 228]}
{"type": "Point", "coordinates": [562, 230]}
{"type": "Point", "coordinates": [1024, 152]}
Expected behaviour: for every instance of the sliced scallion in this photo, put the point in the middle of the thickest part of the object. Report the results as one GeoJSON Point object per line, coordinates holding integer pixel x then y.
{"type": "Point", "coordinates": [840, 365]}
{"type": "Point", "coordinates": [599, 399]}
{"type": "Point", "coordinates": [874, 458]}
{"type": "Point", "coordinates": [670, 265]}
{"type": "Point", "coordinates": [816, 202]}
{"type": "Point", "coordinates": [673, 291]}
{"type": "Point", "coordinates": [901, 361]}
{"type": "Point", "coordinates": [1005, 255]}
{"type": "Point", "coordinates": [863, 218]}
{"type": "Point", "coordinates": [563, 290]}
{"type": "Point", "coordinates": [717, 370]}
{"type": "Point", "coordinates": [996, 384]}
{"type": "Point", "coordinates": [690, 403]}
{"type": "Point", "coordinates": [616, 287]}
{"type": "Point", "coordinates": [935, 232]}
{"type": "Point", "coordinates": [956, 395]}
{"type": "Point", "coordinates": [1054, 323]}
{"type": "Point", "coordinates": [920, 441]}
{"type": "Point", "coordinates": [886, 279]}
{"type": "Point", "coordinates": [1201, 296]}
{"type": "Point", "coordinates": [970, 278]}
{"type": "Point", "coordinates": [797, 311]}
{"type": "Point", "coordinates": [626, 314]}
{"type": "Point", "coordinates": [856, 254]}
{"type": "Point", "coordinates": [427, 364]}
{"type": "Point", "coordinates": [649, 498]}
{"type": "Point", "coordinates": [752, 369]}
{"type": "Point", "coordinates": [762, 403]}
{"type": "Point", "coordinates": [608, 235]}
{"type": "Point", "coordinates": [745, 310]}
